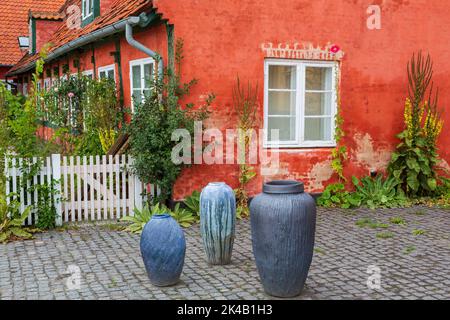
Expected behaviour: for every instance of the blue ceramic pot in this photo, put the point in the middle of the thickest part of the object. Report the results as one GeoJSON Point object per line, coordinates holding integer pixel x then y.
{"type": "Point", "coordinates": [163, 248]}
{"type": "Point", "coordinates": [283, 223]}
{"type": "Point", "coordinates": [217, 222]}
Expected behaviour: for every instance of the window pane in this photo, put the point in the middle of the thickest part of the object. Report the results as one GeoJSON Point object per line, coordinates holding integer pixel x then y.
{"type": "Point", "coordinates": [281, 103]}
{"type": "Point", "coordinates": [137, 96]}
{"type": "Point", "coordinates": [318, 129]}
{"type": "Point", "coordinates": [318, 78]}
{"type": "Point", "coordinates": [282, 77]}
{"type": "Point", "coordinates": [111, 74]}
{"type": "Point", "coordinates": [286, 127]}
{"type": "Point", "coordinates": [148, 72]}
{"type": "Point", "coordinates": [102, 74]}
{"type": "Point", "coordinates": [136, 70]}
{"type": "Point", "coordinates": [318, 104]}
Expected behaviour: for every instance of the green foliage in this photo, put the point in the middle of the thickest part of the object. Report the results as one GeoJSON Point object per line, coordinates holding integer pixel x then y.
{"type": "Point", "coordinates": [379, 192]}
{"type": "Point", "coordinates": [245, 103]}
{"type": "Point", "coordinates": [11, 222]}
{"type": "Point", "coordinates": [335, 195]}
{"type": "Point", "coordinates": [385, 235]}
{"type": "Point", "coordinates": [193, 203]}
{"type": "Point", "coordinates": [84, 112]}
{"type": "Point", "coordinates": [184, 217]}
{"type": "Point", "coordinates": [141, 217]}
{"type": "Point", "coordinates": [370, 192]}
{"type": "Point", "coordinates": [418, 232]}
{"type": "Point", "coordinates": [370, 223]}
{"type": "Point", "coordinates": [153, 123]}
{"type": "Point", "coordinates": [339, 154]}
{"type": "Point", "coordinates": [409, 249]}
{"type": "Point", "coordinates": [397, 221]}
{"type": "Point", "coordinates": [45, 206]}
{"type": "Point", "coordinates": [416, 158]}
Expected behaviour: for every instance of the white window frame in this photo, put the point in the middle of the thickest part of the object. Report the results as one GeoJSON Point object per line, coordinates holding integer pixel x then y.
{"type": "Point", "coordinates": [47, 84]}
{"type": "Point", "coordinates": [88, 73]}
{"type": "Point", "coordinates": [299, 141]}
{"type": "Point", "coordinates": [90, 5]}
{"type": "Point", "coordinates": [106, 69]}
{"type": "Point", "coordinates": [141, 63]}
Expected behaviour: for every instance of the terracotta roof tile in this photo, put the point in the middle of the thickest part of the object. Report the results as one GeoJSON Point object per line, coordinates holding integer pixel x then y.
{"type": "Point", "coordinates": [47, 15]}
{"type": "Point", "coordinates": [14, 23]}
{"type": "Point", "coordinates": [120, 9]}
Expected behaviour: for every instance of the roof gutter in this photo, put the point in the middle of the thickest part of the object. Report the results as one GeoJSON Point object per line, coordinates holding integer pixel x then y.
{"type": "Point", "coordinates": [132, 21]}
{"type": "Point", "coordinates": [117, 27]}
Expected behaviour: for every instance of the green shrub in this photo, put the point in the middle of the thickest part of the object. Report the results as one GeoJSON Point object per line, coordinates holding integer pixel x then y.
{"type": "Point", "coordinates": [379, 192]}
{"type": "Point", "coordinates": [153, 123]}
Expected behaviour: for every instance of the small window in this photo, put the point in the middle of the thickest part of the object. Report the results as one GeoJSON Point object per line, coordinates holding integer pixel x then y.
{"type": "Point", "coordinates": [107, 72]}
{"type": "Point", "coordinates": [87, 9]}
{"type": "Point", "coordinates": [47, 84]}
{"type": "Point", "coordinates": [88, 73]}
{"type": "Point", "coordinates": [299, 102]}
{"type": "Point", "coordinates": [141, 76]}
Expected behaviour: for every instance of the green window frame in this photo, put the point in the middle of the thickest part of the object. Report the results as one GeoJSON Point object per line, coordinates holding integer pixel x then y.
{"type": "Point", "coordinates": [90, 9]}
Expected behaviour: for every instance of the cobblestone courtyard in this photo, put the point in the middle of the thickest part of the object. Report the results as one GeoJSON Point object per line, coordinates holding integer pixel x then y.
{"type": "Point", "coordinates": [413, 258]}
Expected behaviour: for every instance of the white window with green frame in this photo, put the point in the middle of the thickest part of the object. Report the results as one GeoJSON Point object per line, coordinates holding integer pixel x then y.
{"type": "Point", "coordinates": [87, 9]}
{"type": "Point", "coordinates": [141, 77]}
{"type": "Point", "coordinates": [299, 102]}
{"type": "Point", "coordinates": [107, 72]}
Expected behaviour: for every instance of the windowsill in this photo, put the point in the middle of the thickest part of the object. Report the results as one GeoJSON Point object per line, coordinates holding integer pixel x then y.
{"type": "Point", "coordinates": [303, 148]}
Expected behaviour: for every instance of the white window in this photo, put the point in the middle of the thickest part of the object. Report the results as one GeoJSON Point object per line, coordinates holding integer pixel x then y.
{"type": "Point", "coordinates": [87, 8]}
{"type": "Point", "coordinates": [299, 102]}
{"type": "Point", "coordinates": [47, 83]}
{"type": "Point", "coordinates": [25, 89]}
{"type": "Point", "coordinates": [141, 76]}
{"type": "Point", "coordinates": [88, 73]}
{"type": "Point", "coordinates": [107, 72]}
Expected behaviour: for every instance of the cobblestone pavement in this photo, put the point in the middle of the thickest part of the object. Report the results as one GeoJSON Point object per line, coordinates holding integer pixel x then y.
{"type": "Point", "coordinates": [411, 266]}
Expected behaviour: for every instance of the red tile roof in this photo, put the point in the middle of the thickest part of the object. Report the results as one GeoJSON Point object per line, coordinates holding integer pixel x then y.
{"type": "Point", "coordinates": [120, 10]}
{"type": "Point", "coordinates": [14, 23]}
{"type": "Point", "coordinates": [47, 15]}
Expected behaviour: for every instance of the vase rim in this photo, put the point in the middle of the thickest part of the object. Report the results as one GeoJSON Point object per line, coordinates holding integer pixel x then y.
{"type": "Point", "coordinates": [161, 216]}
{"type": "Point", "coordinates": [283, 187]}
{"type": "Point", "coordinates": [216, 183]}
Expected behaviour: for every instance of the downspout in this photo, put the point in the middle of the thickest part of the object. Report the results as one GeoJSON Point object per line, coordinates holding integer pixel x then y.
{"type": "Point", "coordinates": [132, 21]}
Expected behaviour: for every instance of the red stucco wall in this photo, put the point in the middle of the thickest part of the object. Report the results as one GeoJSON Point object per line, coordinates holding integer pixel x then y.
{"type": "Point", "coordinates": [223, 40]}
{"type": "Point", "coordinates": [44, 30]}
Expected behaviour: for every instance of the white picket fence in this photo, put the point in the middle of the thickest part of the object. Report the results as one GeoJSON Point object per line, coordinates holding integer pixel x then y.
{"type": "Point", "coordinates": [88, 188]}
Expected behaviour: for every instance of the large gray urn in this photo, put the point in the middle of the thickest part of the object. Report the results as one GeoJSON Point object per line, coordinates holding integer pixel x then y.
{"type": "Point", "coordinates": [283, 223]}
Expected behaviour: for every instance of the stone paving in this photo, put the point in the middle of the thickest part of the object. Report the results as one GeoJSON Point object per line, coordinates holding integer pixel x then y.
{"type": "Point", "coordinates": [411, 266]}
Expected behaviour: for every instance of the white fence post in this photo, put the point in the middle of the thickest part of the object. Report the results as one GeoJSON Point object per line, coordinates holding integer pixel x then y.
{"type": "Point", "coordinates": [137, 194]}
{"type": "Point", "coordinates": [56, 173]}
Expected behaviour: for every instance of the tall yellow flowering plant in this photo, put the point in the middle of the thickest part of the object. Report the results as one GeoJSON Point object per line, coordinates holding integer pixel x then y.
{"type": "Point", "coordinates": [415, 161]}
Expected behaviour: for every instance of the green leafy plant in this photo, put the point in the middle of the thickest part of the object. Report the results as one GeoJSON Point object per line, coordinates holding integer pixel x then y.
{"type": "Point", "coordinates": [192, 203]}
{"type": "Point", "coordinates": [184, 217]}
{"type": "Point", "coordinates": [45, 206]}
{"type": "Point", "coordinates": [379, 192]}
{"type": "Point", "coordinates": [414, 163]}
{"type": "Point", "coordinates": [141, 217]}
{"type": "Point", "coordinates": [153, 124]}
{"type": "Point", "coordinates": [385, 235]}
{"type": "Point", "coordinates": [409, 249]}
{"type": "Point", "coordinates": [339, 153]}
{"type": "Point", "coordinates": [397, 221]}
{"type": "Point", "coordinates": [245, 102]}
{"type": "Point", "coordinates": [335, 195]}
{"type": "Point", "coordinates": [370, 223]}
{"type": "Point", "coordinates": [418, 232]}
{"type": "Point", "coordinates": [11, 222]}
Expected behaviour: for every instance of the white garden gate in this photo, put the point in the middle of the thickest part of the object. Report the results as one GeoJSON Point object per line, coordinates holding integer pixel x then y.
{"type": "Point", "coordinates": [87, 188]}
